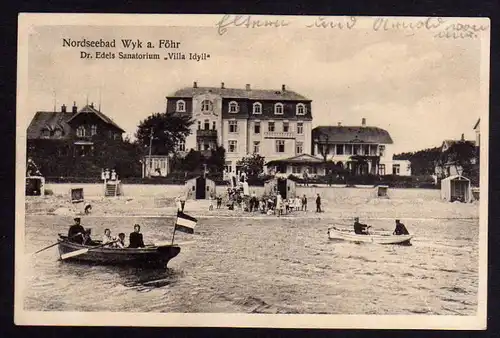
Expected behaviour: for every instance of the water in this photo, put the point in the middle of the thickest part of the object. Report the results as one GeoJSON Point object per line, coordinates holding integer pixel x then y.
{"type": "Point", "coordinates": [264, 265]}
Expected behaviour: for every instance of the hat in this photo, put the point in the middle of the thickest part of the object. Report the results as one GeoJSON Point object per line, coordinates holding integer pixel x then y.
{"type": "Point", "coordinates": [77, 219]}
{"type": "Point", "coordinates": [397, 220]}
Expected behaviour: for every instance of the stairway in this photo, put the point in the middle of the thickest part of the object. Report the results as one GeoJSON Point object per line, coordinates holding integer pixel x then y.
{"type": "Point", "coordinates": [111, 189]}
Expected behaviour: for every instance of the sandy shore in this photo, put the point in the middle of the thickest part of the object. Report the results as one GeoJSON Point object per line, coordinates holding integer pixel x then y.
{"type": "Point", "coordinates": [338, 207]}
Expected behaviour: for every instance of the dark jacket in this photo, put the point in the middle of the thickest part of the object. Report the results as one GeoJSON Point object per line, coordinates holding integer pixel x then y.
{"type": "Point", "coordinates": [75, 229]}
{"type": "Point", "coordinates": [136, 240]}
{"type": "Point", "coordinates": [400, 230]}
{"type": "Point", "coordinates": [360, 228]}
{"type": "Point", "coordinates": [318, 200]}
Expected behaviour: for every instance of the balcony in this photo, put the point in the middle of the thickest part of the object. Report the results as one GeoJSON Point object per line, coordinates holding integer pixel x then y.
{"type": "Point", "coordinates": [279, 134]}
{"type": "Point", "coordinates": [206, 133]}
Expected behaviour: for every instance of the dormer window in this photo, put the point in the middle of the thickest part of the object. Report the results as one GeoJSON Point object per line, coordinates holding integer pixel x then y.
{"type": "Point", "coordinates": [301, 109]}
{"type": "Point", "coordinates": [257, 108]}
{"type": "Point", "coordinates": [233, 107]}
{"type": "Point", "coordinates": [206, 105]}
{"type": "Point", "coordinates": [278, 109]}
{"type": "Point", "coordinates": [180, 106]}
{"type": "Point", "coordinates": [93, 130]}
{"type": "Point", "coordinates": [58, 132]}
{"type": "Point", "coordinates": [80, 131]}
{"type": "Point", "coordinates": [45, 132]}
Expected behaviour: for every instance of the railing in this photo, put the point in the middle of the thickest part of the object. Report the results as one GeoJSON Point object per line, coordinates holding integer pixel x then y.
{"type": "Point", "coordinates": [206, 133]}
{"type": "Point", "coordinates": [279, 134]}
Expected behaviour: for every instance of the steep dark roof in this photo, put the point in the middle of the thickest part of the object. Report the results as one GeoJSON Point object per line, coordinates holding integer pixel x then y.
{"type": "Point", "coordinates": [90, 109]}
{"type": "Point", "coordinates": [348, 134]}
{"type": "Point", "coordinates": [52, 120]}
{"type": "Point", "coordinates": [49, 120]}
{"type": "Point", "coordinates": [237, 93]}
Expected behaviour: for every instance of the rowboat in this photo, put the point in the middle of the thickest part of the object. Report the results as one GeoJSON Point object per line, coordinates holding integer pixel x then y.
{"type": "Point", "coordinates": [377, 238]}
{"type": "Point", "coordinates": [149, 256]}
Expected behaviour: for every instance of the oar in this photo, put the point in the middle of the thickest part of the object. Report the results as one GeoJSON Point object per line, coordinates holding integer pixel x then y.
{"type": "Point", "coordinates": [84, 251]}
{"type": "Point", "coordinates": [50, 246]}
{"type": "Point", "coordinates": [164, 243]}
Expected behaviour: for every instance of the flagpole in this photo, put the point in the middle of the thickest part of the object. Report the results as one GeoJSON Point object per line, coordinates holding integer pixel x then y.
{"type": "Point", "coordinates": [175, 227]}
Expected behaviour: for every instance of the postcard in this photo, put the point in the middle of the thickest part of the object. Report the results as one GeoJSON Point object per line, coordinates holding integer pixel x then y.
{"type": "Point", "coordinates": [252, 171]}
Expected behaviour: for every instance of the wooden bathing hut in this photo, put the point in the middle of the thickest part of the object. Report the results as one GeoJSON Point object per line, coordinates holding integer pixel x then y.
{"type": "Point", "coordinates": [380, 191]}
{"type": "Point", "coordinates": [200, 188]}
{"type": "Point", "coordinates": [35, 186]}
{"type": "Point", "coordinates": [284, 186]}
{"type": "Point", "coordinates": [456, 188]}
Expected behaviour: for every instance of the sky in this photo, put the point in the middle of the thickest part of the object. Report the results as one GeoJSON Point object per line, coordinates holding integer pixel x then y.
{"type": "Point", "coordinates": [419, 88]}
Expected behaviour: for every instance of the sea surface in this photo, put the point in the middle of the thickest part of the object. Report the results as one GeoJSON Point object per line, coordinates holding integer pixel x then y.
{"type": "Point", "coordinates": [263, 265]}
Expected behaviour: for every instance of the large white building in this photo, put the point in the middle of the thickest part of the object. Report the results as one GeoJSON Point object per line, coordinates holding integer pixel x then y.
{"type": "Point", "coordinates": [273, 123]}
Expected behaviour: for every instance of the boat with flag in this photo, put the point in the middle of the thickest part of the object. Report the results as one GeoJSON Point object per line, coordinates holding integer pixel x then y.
{"type": "Point", "coordinates": [373, 237]}
{"type": "Point", "coordinates": [153, 255]}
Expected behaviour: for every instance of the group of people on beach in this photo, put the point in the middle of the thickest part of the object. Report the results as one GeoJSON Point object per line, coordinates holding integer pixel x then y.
{"type": "Point", "coordinates": [78, 234]}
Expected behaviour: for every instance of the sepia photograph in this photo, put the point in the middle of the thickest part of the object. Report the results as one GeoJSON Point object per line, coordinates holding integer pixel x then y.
{"type": "Point", "coordinates": [252, 171]}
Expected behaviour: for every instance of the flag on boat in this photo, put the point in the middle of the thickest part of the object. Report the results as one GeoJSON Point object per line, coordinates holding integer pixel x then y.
{"type": "Point", "coordinates": [185, 223]}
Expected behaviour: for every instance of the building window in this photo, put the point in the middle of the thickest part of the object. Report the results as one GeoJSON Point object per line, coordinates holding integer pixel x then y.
{"type": "Point", "coordinates": [206, 146]}
{"type": "Point", "coordinates": [348, 149]}
{"type": "Point", "coordinates": [117, 136]}
{"type": "Point", "coordinates": [300, 128]}
{"type": "Point", "coordinates": [296, 169]}
{"type": "Point", "coordinates": [206, 105]}
{"type": "Point", "coordinates": [233, 107]}
{"type": "Point", "coordinates": [228, 166]}
{"type": "Point", "coordinates": [286, 127]}
{"type": "Point", "coordinates": [355, 150]}
{"type": "Point", "coordinates": [381, 150]}
{"type": "Point", "coordinates": [232, 146]}
{"type": "Point", "coordinates": [373, 150]}
{"type": "Point", "coordinates": [46, 132]}
{"type": "Point", "coordinates": [257, 108]}
{"type": "Point", "coordinates": [366, 149]}
{"type": "Point", "coordinates": [278, 109]}
{"type": "Point", "coordinates": [93, 130]}
{"type": "Point", "coordinates": [213, 125]}
{"type": "Point", "coordinates": [301, 109]}
{"type": "Point", "coordinates": [381, 169]}
{"type": "Point", "coordinates": [58, 133]}
{"type": "Point", "coordinates": [80, 131]}
{"type": "Point", "coordinates": [270, 126]}
{"type": "Point", "coordinates": [206, 125]}
{"type": "Point", "coordinates": [256, 128]}
{"type": "Point", "coordinates": [395, 169]}
{"type": "Point", "coordinates": [339, 149]}
{"type": "Point", "coordinates": [182, 146]}
{"type": "Point", "coordinates": [233, 126]}
{"type": "Point", "coordinates": [199, 125]}
{"type": "Point", "coordinates": [180, 106]}
{"type": "Point", "coordinates": [256, 147]}
{"type": "Point", "coordinates": [299, 148]}
{"type": "Point", "coordinates": [280, 146]}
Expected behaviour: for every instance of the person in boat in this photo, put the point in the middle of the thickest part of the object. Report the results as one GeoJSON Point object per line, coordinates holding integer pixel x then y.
{"type": "Point", "coordinates": [76, 232]}
{"type": "Point", "coordinates": [136, 240]}
{"type": "Point", "coordinates": [400, 229]}
{"type": "Point", "coordinates": [120, 242]}
{"type": "Point", "coordinates": [107, 237]}
{"type": "Point", "coordinates": [360, 228]}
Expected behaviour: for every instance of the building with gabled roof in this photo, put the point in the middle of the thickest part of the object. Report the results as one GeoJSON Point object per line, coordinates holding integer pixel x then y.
{"type": "Point", "coordinates": [272, 123]}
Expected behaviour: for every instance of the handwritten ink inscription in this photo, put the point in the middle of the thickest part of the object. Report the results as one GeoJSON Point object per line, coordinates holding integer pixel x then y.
{"type": "Point", "coordinates": [248, 22]}
{"type": "Point", "coordinates": [441, 28]}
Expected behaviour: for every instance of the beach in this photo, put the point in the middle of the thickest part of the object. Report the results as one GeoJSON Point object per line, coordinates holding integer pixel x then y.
{"type": "Point", "coordinates": [252, 263]}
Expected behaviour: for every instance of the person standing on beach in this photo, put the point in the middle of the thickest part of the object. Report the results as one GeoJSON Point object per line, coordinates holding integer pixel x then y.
{"type": "Point", "coordinates": [304, 202]}
{"type": "Point", "coordinates": [318, 203]}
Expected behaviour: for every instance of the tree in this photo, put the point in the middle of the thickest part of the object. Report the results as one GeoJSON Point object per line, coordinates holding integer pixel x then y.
{"type": "Point", "coordinates": [461, 154]}
{"type": "Point", "coordinates": [217, 160]}
{"type": "Point", "coordinates": [423, 162]}
{"type": "Point", "coordinates": [193, 162]}
{"type": "Point", "coordinates": [324, 145]}
{"type": "Point", "coordinates": [253, 165]}
{"type": "Point", "coordinates": [166, 131]}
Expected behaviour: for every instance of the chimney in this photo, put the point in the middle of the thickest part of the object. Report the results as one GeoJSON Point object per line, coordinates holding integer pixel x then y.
{"type": "Point", "coordinates": [363, 122]}
{"type": "Point", "coordinates": [222, 85]}
{"type": "Point", "coordinates": [63, 108]}
{"type": "Point", "coordinates": [463, 138]}
{"type": "Point", "coordinates": [195, 84]}
{"type": "Point", "coordinates": [75, 109]}
{"type": "Point", "coordinates": [247, 86]}
{"type": "Point", "coordinates": [283, 88]}
{"type": "Point", "coordinates": [339, 124]}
